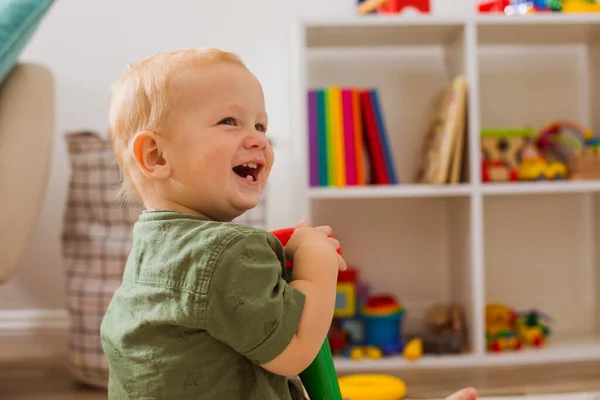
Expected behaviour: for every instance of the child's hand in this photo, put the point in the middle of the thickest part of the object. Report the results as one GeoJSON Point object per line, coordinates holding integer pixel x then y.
{"type": "Point", "coordinates": [304, 234]}
{"type": "Point", "coordinates": [465, 394]}
{"type": "Point", "coordinates": [341, 263]}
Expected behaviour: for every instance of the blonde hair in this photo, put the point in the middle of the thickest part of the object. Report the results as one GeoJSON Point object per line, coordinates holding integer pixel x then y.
{"type": "Point", "coordinates": [142, 99]}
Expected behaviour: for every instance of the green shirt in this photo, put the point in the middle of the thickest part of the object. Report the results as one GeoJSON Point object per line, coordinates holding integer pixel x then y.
{"type": "Point", "coordinates": [201, 305]}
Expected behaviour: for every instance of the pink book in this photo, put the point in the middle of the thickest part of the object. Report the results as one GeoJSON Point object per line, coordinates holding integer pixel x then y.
{"type": "Point", "coordinates": [348, 129]}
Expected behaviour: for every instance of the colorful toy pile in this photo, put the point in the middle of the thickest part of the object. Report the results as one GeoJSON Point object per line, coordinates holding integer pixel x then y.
{"type": "Point", "coordinates": [561, 150]}
{"type": "Point", "coordinates": [507, 329]}
{"type": "Point", "coordinates": [526, 7]}
{"type": "Point", "coordinates": [368, 326]}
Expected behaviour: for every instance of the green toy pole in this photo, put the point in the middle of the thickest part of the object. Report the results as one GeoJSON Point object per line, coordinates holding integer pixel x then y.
{"type": "Point", "coordinates": [319, 379]}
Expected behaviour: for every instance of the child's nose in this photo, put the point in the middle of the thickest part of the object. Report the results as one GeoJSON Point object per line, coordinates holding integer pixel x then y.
{"type": "Point", "coordinates": [255, 139]}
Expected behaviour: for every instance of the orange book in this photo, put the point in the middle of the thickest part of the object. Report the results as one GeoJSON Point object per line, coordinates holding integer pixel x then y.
{"type": "Point", "coordinates": [337, 133]}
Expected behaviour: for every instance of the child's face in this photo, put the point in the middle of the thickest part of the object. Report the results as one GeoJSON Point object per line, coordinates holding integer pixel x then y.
{"type": "Point", "coordinates": [219, 154]}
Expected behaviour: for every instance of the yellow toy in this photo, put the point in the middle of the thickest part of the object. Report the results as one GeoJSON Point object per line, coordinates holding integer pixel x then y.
{"type": "Point", "coordinates": [580, 6]}
{"type": "Point", "coordinates": [413, 349]}
{"type": "Point", "coordinates": [372, 387]}
{"type": "Point", "coordinates": [358, 353]}
{"type": "Point", "coordinates": [533, 328]}
{"type": "Point", "coordinates": [537, 168]}
{"type": "Point", "coordinates": [500, 329]}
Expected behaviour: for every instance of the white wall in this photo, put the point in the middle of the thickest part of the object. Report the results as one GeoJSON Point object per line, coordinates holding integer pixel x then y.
{"type": "Point", "coordinates": [88, 43]}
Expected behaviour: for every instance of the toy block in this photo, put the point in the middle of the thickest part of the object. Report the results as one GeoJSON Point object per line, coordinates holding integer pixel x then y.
{"type": "Point", "coordinates": [345, 304]}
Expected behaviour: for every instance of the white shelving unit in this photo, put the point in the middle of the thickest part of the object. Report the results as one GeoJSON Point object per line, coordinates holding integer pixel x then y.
{"type": "Point", "coordinates": [528, 245]}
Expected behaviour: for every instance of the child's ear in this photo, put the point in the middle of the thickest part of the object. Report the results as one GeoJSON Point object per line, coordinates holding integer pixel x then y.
{"type": "Point", "coordinates": [148, 155]}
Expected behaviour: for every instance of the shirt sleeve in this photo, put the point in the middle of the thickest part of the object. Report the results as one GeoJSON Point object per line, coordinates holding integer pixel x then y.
{"type": "Point", "coordinates": [250, 306]}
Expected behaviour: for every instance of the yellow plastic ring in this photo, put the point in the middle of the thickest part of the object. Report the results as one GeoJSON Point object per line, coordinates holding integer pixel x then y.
{"type": "Point", "coordinates": [372, 387]}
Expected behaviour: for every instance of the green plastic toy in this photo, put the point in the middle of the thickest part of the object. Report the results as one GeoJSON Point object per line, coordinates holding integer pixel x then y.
{"type": "Point", "coordinates": [319, 379]}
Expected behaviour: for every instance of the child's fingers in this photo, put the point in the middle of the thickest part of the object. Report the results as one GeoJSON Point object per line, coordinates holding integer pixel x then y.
{"type": "Point", "coordinates": [465, 394]}
{"type": "Point", "coordinates": [342, 263]}
{"type": "Point", "coordinates": [302, 224]}
{"type": "Point", "coordinates": [325, 229]}
{"type": "Point", "coordinates": [336, 243]}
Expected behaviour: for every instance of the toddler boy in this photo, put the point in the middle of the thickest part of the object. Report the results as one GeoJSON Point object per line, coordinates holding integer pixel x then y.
{"type": "Point", "coordinates": [204, 311]}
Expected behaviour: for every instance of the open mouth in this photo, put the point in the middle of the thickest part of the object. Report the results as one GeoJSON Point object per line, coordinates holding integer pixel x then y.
{"type": "Point", "coordinates": [248, 171]}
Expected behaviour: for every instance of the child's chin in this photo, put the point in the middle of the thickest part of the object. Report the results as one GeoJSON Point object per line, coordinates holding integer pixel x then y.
{"type": "Point", "coordinates": [248, 202]}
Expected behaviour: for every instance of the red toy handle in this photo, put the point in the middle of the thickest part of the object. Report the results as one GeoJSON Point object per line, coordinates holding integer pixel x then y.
{"type": "Point", "coordinates": [284, 236]}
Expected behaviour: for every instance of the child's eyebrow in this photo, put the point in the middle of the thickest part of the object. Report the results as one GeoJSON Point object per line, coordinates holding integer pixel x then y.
{"type": "Point", "coordinates": [232, 108]}
{"type": "Point", "coordinates": [264, 115]}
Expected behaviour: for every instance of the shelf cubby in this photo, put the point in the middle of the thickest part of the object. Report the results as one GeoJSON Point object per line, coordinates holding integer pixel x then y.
{"type": "Point", "coordinates": [539, 254]}
{"type": "Point", "coordinates": [416, 249]}
{"type": "Point", "coordinates": [409, 68]}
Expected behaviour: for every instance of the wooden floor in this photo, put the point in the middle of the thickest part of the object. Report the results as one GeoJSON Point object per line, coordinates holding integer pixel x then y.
{"type": "Point", "coordinates": [42, 380]}
{"type": "Point", "coordinates": [46, 380]}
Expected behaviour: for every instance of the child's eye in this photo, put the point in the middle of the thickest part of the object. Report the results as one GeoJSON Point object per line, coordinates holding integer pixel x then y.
{"type": "Point", "coordinates": [260, 127]}
{"type": "Point", "coordinates": [228, 121]}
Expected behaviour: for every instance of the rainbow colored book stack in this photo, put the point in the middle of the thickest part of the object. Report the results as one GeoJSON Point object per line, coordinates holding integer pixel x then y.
{"type": "Point", "coordinates": [348, 143]}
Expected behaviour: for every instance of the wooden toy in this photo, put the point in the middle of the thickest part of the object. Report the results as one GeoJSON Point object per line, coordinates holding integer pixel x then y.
{"type": "Point", "coordinates": [501, 153]}
{"type": "Point", "coordinates": [585, 166]}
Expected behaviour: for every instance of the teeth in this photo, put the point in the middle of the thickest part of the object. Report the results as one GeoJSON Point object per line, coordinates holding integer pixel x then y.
{"type": "Point", "coordinates": [251, 165]}
{"type": "Point", "coordinates": [250, 178]}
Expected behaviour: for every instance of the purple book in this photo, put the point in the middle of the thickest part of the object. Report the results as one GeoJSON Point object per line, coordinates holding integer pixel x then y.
{"type": "Point", "coordinates": [313, 138]}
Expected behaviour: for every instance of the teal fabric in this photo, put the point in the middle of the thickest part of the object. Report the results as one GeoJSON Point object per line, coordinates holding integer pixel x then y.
{"type": "Point", "coordinates": [19, 19]}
